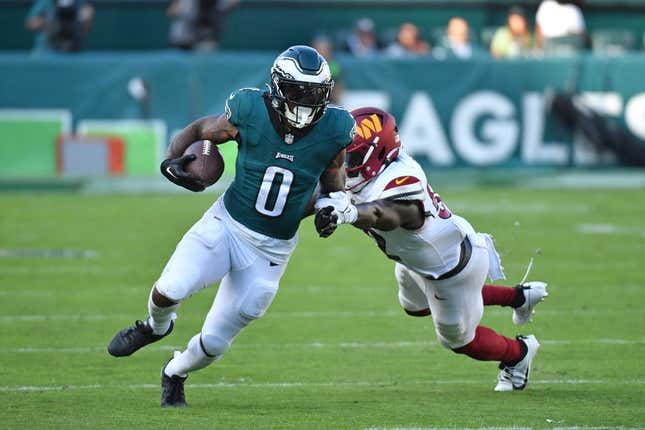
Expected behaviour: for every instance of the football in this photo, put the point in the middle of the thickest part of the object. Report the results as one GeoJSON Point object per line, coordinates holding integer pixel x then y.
{"type": "Point", "coordinates": [208, 165]}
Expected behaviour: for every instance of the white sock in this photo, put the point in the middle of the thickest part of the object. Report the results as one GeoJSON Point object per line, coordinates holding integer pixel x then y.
{"type": "Point", "coordinates": [193, 358]}
{"type": "Point", "coordinates": [160, 318]}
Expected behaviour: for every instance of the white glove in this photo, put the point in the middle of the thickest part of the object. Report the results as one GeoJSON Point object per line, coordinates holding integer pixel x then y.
{"type": "Point", "coordinates": [344, 210]}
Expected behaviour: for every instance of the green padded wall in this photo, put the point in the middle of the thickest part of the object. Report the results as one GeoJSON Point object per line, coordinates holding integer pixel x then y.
{"type": "Point", "coordinates": [144, 141]}
{"type": "Point", "coordinates": [28, 143]}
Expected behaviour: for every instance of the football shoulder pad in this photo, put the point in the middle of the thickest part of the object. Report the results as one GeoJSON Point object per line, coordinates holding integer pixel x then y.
{"type": "Point", "coordinates": [403, 188]}
{"type": "Point", "coordinates": [239, 105]}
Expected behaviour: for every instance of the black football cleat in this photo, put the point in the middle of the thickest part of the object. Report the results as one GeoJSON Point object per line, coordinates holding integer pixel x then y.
{"type": "Point", "coordinates": [135, 337]}
{"type": "Point", "coordinates": [172, 390]}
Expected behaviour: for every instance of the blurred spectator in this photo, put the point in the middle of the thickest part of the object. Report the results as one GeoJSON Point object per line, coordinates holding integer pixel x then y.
{"type": "Point", "coordinates": [408, 42]}
{"type": "Point", "coordinates": [456, 41]}
{"type": "Point", "coordinates": [560, 26]}
{"type": "Point", "coordinates": [197, 24]}
{"type": "Point", "coordinates": [362, 41]}
{"type": "Point", "coordinates": [324, 46]}
{"type": "Point", "coordinates": [514, 39]}
{"type": "Point", "coordinates": [60, 24]}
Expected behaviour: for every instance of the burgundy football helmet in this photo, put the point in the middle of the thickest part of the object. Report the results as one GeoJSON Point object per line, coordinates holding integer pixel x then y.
{"type": "Point", "coordinates": [376, 145]}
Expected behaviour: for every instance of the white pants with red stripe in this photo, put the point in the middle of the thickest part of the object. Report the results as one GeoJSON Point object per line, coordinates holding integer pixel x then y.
{"type": "Point", "coordinates": [456, 303]}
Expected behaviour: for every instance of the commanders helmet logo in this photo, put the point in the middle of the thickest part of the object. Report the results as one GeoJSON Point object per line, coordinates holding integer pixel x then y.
{"type": "Point", "coordinates": [369, 125]}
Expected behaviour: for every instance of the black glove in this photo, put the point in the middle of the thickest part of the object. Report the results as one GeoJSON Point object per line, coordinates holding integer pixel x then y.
{"type": "Point", "coordinates": [325, 221]}
{"type": "Point", "coordinates": [173, 169]}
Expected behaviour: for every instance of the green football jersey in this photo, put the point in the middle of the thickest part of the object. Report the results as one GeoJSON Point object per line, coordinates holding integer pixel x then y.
{"type": "Point", "coordinates": [275, 173]}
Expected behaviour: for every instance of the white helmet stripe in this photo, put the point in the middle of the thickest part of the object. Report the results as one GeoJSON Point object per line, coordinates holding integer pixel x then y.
{"type": "Point", "coordinates": [293, 60]}
{"type": "Point", "coordinates": [290, 68]}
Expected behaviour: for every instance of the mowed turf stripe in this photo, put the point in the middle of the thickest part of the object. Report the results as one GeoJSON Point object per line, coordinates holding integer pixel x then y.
{"type": "Point", "coordinates": [299, 314]}
{"type": "Point", "coordinates": [313, 345]}
{"type": "Point", "coordinates": [307, 289]}
{"type": "Point", "coordinates": [19, 388]}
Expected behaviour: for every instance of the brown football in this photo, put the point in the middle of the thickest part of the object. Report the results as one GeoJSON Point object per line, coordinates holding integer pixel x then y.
{"type": "Point", "coordinates": [209, 164]}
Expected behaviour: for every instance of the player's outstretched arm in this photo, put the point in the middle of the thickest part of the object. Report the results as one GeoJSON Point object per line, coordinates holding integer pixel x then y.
{"type": "Point", "coordinates": [380, 214]}
{"type": "Point", "coordinates": [387, 215]}
{"type": "Point", "coordinates": [217, 129]}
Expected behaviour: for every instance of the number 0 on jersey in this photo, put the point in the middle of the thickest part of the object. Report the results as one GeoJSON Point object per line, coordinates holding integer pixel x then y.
{"type": "Point", "coordinates": [274, 177]}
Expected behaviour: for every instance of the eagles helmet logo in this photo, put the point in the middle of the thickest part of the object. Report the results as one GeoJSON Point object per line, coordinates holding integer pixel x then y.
{"type": "Point", "coordinates": [353, 131]}
{"type": "Point", "coordinates": [300, 86]}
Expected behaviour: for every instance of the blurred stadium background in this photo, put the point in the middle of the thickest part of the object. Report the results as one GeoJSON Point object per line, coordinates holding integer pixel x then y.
{"type": "Point", "coordinates": [123, 82]}
{"type": "Point", "coordinates": [534, 131]}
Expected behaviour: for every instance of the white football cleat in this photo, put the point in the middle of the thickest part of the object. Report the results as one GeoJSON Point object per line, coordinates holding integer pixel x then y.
{"type": "Point", "coordinates": [534, 292]}
{"type": "Point", "coordinates": [516, 377]}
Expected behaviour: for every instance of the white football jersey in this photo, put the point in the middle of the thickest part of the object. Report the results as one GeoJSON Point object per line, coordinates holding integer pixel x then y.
{"type": "Point", "coordinates": [434, 248]}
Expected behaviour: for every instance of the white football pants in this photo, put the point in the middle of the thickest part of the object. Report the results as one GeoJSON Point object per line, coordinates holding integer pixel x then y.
{"type": "Point", "coordinates": [456, 303]}
{"type": "Point", "coordinates": [211, 251]}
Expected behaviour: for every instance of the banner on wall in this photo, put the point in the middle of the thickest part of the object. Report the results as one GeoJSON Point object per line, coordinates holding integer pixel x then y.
{"type": "Point", "coordinates": [481, 113]}
{"type": "Point", "coordinates": [489, 113]}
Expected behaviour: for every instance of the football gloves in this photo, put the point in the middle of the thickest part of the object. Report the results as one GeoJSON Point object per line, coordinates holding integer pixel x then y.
{"type": "Point", "coordinates": [325, 221]}
{"type": "Point", "coordinates": [332, 210]}
{"type": "Point", "coordinates": [173, 169]}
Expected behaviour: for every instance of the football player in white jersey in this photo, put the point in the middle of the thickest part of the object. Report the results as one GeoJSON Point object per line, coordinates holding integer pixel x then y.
{"type": "Point", "coordinates": [441, 262]}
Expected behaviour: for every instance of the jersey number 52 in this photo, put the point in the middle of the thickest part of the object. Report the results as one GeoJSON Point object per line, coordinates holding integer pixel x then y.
{"type": "Point", "coordinates": [440, 207]}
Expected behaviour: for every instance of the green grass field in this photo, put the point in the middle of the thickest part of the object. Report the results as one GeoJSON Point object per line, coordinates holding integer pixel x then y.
{"type": "Point", "coordinates": [335, 351]}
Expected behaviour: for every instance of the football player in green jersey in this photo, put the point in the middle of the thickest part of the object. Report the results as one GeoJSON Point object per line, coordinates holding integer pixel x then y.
{"type": "Point", "coordinates": [289, 141]}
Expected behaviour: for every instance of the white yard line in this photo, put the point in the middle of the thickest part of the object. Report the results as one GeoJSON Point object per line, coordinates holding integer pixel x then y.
{"type": "Point", "coordinates": [76, 269]}
{"type": "Point", "coordinates": [19, 292]}
{"type": "Point", "coordinates": [276, 346]}
{"type": "Point", "coordinates": [512, 207]}
{"type": "Point", "coordinates": [506, 428]}
{"type": "Point", "coordinates": [609, 229]}
{"type": "Point", "coordinates": [142, 291]}
{"type": "Point", "coordinates": [95, 317]}
{"type": "Point", "coordinates": [597, 428]}
{"type": "Point", "coordinates": [310, 345]}
{"type": "Point", "coordinates": [27, 293]}
{"type": "Point", "coordinates": [220, 385]}
{"type": "Point", "coordinates": [449, 428]}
